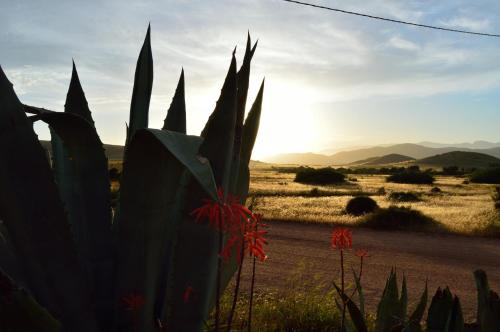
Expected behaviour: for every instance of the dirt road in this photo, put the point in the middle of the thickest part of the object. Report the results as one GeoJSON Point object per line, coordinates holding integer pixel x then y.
{"type": "Point", "coordinates": [445, 260]}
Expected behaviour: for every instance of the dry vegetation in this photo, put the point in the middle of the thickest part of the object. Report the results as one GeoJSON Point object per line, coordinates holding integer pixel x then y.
{"type": "Point", "coordinates": [460, 208]}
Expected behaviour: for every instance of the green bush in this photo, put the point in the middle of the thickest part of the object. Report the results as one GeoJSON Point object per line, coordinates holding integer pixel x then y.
{"type": "Point", "coordinates": [361, 205]}
{"type": "Point", "coordinates": [488, 175]}
{"type": "Point", "coordinates": [411, 177]}
{"type": "Point", "coordinates": [319, 176]}
{"type": "Point", "coordinates": [400, 196]}
{"type": "Point", "coordinates": [398, 217]}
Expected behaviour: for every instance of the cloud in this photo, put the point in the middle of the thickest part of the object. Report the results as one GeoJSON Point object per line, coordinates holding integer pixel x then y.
{"type": "Point", "coordinates": [403, 44]}
{"type": "Point", "coordinates": [467, 23]}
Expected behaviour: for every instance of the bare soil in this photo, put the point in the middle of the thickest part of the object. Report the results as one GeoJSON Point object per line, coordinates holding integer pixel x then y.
{"type": "Point", "coordinates": [441, 259]}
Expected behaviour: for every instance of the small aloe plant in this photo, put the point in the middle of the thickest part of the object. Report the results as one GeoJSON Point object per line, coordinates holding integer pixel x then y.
{"type": "Point", "coordinates": [79, 267]}
{"type": "Point", "coordinates": [444, 313]}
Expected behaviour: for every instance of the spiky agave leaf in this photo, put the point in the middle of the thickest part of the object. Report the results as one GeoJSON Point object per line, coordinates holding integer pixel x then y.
{"type": "Point", "coordinates": [388, 310]}
{"type": "Point", "coordinates": [19, 312]}
{"type": "Point", "coordinates": [143, 85]}
{"type": "Point", "coordinates": [176, 114]}
{"type": "Point", "coordinates": [243, 81]}
{"type": "Point", "coordinates": [36, 221]}
{"type": "Point", "coordinates": [250, 130]}
{"type": "Point", "coordinates": [81, 171]}
{"type": "Point", "coordinates": [198, 241]}
{"type": "Point", "coordinates": [439, 310]}
{"type": "Point", "coordinates": [147, 223]}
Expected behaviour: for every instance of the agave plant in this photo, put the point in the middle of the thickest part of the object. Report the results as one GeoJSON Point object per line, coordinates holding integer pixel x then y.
{"type": "Point", "coordinates": [61, 247]}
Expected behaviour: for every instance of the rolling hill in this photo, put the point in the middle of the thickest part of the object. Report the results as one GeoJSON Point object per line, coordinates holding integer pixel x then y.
{"type": "Point", "coordinates": [113, 152]}
{"type": "Point", "coordinates": [346, 157]}
{"type": "Point", "coordinates": [392, 158]}
{"type": "Point", "coordinates": [461, 159]}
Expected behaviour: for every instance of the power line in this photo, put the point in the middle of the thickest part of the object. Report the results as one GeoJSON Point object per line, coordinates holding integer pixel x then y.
{"type": "Point", "coordinates": [393, 20]}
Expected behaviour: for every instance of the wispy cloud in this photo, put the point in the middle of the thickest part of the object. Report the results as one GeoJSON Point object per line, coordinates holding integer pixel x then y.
{"type": "Point", "coordinates": [309, 57]}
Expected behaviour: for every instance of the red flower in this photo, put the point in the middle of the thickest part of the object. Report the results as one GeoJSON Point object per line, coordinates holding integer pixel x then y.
{"type": "Point", "coordinates": [228, 215]}
{"type": "Point", "coordinates": [133, 301]}
{"type": "Point", "coordinates": [187, 294]}
{"type": "Point", "coordinates": [361, 253]}
{"type": "Point", "coordinates": [341, 238]}
{"type": "Point", "coordinates": [224, 213]}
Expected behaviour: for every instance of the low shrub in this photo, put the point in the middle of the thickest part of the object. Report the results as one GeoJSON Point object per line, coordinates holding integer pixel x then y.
{"type": "Point", "coordinates": [436, 190]}
{"type": "Point", "coordinates": [319, 176]}
{"type": "Point", "coordinates": [381, 191]}
{"type": "Point", "coordinates": [361, 205]}
{"type": "Point", "coordinates": [401, 196]}
{"type": "Point", "coordinates": [411, 177]}
{"type": "Point", "coordinates": [398, 217]}
{"type": "Point", "coordinates": [488, 175]}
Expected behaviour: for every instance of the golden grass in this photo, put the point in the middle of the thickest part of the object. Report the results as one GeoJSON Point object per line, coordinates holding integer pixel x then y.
{"type": "Point", "coordinates": [460, 208]}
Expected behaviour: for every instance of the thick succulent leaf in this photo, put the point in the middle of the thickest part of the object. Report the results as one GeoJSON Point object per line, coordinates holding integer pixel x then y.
{"type": "Point", "coordinates": [359, 290]}
{"type": "Point", "coordinates": [35, 219]}
{"type": "Point", "coordinates": [403, 301]}
{"type": "Point", "coordinates": [455, 321]}
{"type": "Point", "coordinates": [143, 84]}
{"type": "Point", "coordinates": [147, 223]}
{"type": "Point", "coordinates": [219, 133]}
{"type": "Point", "coordinates": [250, 130]}
{"type": "Point", "coordinates": [439, 310]}
{"type": "Point", "coordinates": [388, 310]}
{"type": "Point", "coordinates": [488, 314]}
{"type": "Point", "coordinates": [76, 103]}
{"type": "Point", "coordinates": [483, 290]}
{"type": "Point", "coordinates": [176, 114]}
{"type": "Point", "coordinates": [357, 317]}
{"type": "Point", "coordinates": [418, 313]}
{"type": "Point", "coordinates": [81, 171]}
{"type": "Point", "coordinates": [243, 81]}
{"type": "Point", "coordinates": [19, 312]}
{"type": "Point", "coordinates": [8, 259]}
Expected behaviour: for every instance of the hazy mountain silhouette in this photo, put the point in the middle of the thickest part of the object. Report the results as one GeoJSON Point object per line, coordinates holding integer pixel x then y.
{"type": "Point", "coordinates": [392, 158]}
{"type": "Point", "coordinates": [415, 151]}
{"type": "Point", "coordinates": [113, 152]}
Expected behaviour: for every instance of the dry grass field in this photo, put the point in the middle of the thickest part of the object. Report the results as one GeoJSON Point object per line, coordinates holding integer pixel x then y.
{"type": "Point", "coordinates": [463, 208]}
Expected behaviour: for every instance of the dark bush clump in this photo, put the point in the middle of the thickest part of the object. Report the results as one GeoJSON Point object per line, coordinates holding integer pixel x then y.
{"type": "Point", "coordinates": [361, 205]}
{"type": "Point", "coordinates": [399, 196]}
{"type": "Point", "coordinates": [398, 217]}
{"type": "Point", "coordinates": [114, 174]}
{"type": "Point", "coordinates": [319, 176]}
{"type": "Point", "coordinates": [488, 175]}
{"type": "Point", "coordinates": [412, 177]}
{"type": "Point", "coordinates": [381, 191]}
{"type": "Point", "coordinates": [436, 190]}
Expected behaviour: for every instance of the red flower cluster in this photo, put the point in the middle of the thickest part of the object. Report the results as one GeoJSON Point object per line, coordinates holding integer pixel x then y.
{"type": "Point", "coordinates": [133, 301]}
{"type": "Point", "coordinates": [228, 215]}
{"type": "Point", "coordinates": [341, 238]}
{"type": "Point", "coordinates": [361, 253]}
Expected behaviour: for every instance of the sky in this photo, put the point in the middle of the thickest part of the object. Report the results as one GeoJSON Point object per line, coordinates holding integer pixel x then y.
{"type": "Point", "coordinates": [332, 80]}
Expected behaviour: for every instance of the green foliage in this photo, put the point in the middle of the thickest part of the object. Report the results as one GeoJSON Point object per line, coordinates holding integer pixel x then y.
{"type": "Point", "coordinates": [361, 205]}
{"type": "Point", "coordinates": [411, 177]}
{"type": "Point", "coordinates": [153, 247]}
{"type": "Point", "coordinates": [320, 176]}
{"type": "Point", "coordinates": [488, 175]}
{"type": "Point", "coordinates": [401, 196]}
{"type": "Point", "coordinates": [398, 217]}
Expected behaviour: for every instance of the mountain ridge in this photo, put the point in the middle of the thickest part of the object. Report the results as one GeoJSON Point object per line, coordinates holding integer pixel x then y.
{"type": "Point", "coordinates": [346, 157]}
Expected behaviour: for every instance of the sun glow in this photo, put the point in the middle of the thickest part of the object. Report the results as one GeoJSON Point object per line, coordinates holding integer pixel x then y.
{"type": "Point", "coordinates": [286, 124]}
